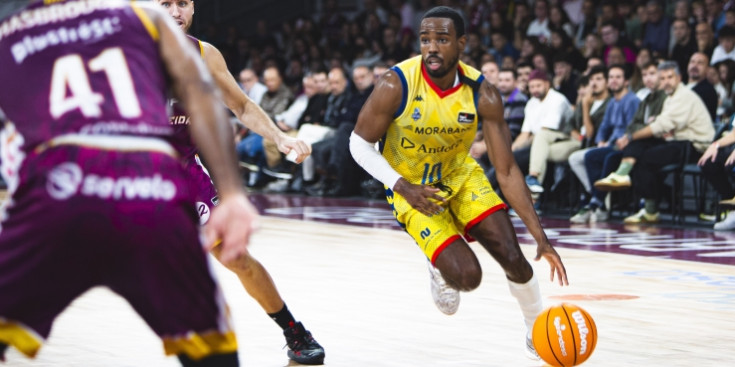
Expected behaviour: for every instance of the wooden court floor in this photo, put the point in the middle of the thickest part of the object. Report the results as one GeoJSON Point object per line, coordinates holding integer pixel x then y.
{"type": "Point", "coordinates": [364, 293]}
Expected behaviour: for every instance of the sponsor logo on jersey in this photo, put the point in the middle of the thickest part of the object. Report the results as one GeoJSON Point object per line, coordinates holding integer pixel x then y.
{"type": "Point", "coordinates": [203, 211]}
{"type": "Point", "coordinates": [407, 144]}
{"type": "Point", "coordinates": [440, 130]}
{"type": "Point", "coordinates": [418, 98]}
{"type": "Point", "coordinates": [440, 149]}
{"type": "Point", "coordinates": [465, 117]}
{"type": "Point", "coordinates": [67, 179]}
{"type": "Point", "coordinates": [416, 114]}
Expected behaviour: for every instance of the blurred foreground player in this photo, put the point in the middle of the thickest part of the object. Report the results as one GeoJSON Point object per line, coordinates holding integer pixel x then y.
{"type": "Point", "coordinates": [96, 189]}
{"type": "Point", "coordinates": [253, 276]}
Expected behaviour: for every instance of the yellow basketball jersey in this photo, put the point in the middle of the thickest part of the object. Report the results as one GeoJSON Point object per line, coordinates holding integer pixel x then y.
{"type": "Point", "coordinates": [433, 129]}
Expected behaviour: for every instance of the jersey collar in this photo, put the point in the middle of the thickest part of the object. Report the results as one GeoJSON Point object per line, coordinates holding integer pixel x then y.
{"type": "Point", "coordinates": [441, 93]}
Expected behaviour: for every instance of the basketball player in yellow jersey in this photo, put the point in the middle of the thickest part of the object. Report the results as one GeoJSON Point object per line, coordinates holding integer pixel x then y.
{"type": "Point", "coordinates": [427, 109]}
{"type": "Point", "coordinates": [302, 347]}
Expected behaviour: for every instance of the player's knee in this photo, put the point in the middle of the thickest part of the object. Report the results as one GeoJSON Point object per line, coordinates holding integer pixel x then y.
{"type": "Point", "coordinates": [469, 278]}
{"type": "Point", "coordinates": [518, 269]}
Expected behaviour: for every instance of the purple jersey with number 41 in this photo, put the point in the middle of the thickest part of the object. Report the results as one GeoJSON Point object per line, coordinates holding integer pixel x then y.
{"type": "Point", "coordinates": [49, 46]}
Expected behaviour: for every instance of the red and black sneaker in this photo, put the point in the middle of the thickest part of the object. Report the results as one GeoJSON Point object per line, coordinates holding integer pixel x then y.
{"type": "Point", "coordinates": [302, 348]}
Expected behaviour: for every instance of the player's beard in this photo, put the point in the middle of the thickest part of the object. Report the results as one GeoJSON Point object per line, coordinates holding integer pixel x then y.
{"type": "Point", "coordinates": [444, 70]}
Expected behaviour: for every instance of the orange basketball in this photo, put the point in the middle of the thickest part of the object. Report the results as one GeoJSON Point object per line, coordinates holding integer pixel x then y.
{"type": "Point", "coordinates": [564, 335]}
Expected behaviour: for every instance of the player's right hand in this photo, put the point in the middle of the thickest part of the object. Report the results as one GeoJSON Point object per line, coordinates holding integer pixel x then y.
{"type": "Point", "coordinates": [232, 223]}
{"type": "Point", "coordinates": [421, 197]}
{"type": "Point", "coordinates": [548, 252]}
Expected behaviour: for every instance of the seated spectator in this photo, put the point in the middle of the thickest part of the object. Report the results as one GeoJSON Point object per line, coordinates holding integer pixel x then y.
{"type": "Point", "coordinates": [514, 103]}
{"type": "Point", "coordinates": [698, 65]}
{"type": "Point", "coordinates": [252, 86]}
{"type": "Point", "coordinates": [725, 45]}
{"type": "Point", "coordinates": [523, 70]}
{"type": "Point", "coordinates": [705, 38]}
{"type": "Point", "coordinates": [547, 109]}
{"type": "Point", "coordinates": [501, 47]}
{"type": "Point", "coordinates": [539, 26]}
{"type": "Point", "coordinates": [684, 46]}
{"type": "Point", "coordinates": [340, 174]}
{"type": "Point", "coordinates": [274, 101]}
{"type": "Point", "coordinates": [623, 111]}
{"type": "Point", "coordinates": [717, 165]}
{"type": "Point", "coordinates": [490, 72]}
{"type": "Point", "coordinates": [319, 130]}
{"type": "Point", "coordinates": [657, 29]}
{"type": "Point", "coordinates": [611, 37]}
{"type": "Point", "coordinates": [562, 44]}
{"type": "Point", "coordinates": [565, 78]}
{"type": "Point", "coordinates": [683, 121]}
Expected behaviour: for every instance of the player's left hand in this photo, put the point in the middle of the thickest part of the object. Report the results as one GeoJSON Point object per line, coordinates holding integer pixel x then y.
{"type": "Point", "coordinates": [287, 143]}
{"type": "Point", "coordinates": [232, 223]}
{"type": "Point", "coordinates": [548, 252]}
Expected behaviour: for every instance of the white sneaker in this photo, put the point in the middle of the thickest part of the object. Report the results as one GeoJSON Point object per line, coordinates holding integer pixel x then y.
{"type": "Point", "coordinates": [583, 216]}
{"type": "Point", "coordinates": [530, 349]}
{"type": "Point", "coordinates": [445, 297]}
{"type": "Point", "coordinates": [728, 224]}
{"type": "Point", "coordinates": [599, 215]}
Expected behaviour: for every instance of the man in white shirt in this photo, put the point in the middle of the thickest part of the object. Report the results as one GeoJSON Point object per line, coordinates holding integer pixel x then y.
{"type": "Point", "coordinates": [726, 45]}
{"type": "Point", "coordinates": [251, 86]}
{"type": "Point", "coordinates": [545, 110]}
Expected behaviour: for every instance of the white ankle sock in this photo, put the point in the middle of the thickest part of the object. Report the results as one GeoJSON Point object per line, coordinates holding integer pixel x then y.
{"type": "Point", "coordinates": [529, 299]}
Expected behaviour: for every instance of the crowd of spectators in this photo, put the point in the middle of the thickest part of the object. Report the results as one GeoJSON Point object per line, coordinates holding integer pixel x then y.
{"type": "Point", "coordinates": [574, 60]}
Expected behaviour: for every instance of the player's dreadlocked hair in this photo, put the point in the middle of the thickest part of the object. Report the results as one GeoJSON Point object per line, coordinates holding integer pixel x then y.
{"type": "Point", "coordinates": [447, 12]}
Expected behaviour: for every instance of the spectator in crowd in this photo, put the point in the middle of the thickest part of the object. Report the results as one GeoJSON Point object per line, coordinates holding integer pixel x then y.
{"type": "Point", "coordinates": [591, 63]}
{"type": "Point", "coordinates": [633, 20]}
{"type": "Point", "coordinates": [523, 70]}
{"type": "Point", "coordinates": [340, 175]}
{"type": "Point", "coordinates": [558, 19]}
{"type": "Point", "coordinates": [636, 79]}
{"type": "Point", "coordinates": [275, 101]}
{"type": "Point", "coordinates": [592, 46]}
{"type": "Point", "coordinates": [615, 56]}
{"type": "Point", "coordinates": [540, 62]}
{"type": "Point", "coordinates": [717, 165]}
{"type": "Point", "coordinates": [611, 37]}
{"type": "Point", "coordinates": [546, 109]}
{"type": "Point", "coordinates": [514, 104]}
{"type": "Point", "coordinates": [705, 38]}
{"type": "Point", "coordinates": [252, 86]}
{"type": "Point", "coordinates": [683, 124]}
{"type": "Point", "coordinates": [698, 65]}
{"type": "Point", "coordinates": [684, 46]}
{"type": "Point", "coordinates": [588, 25]}
{"type": "Point", "coordinates": [682, 11]}
{"type": "Point", "coordinates": [319, 130]}
{"type": "Point", "coordinates": [562, 44]}
{"type": "Point", "coordinates": [725, 45]}
{"type": "Point", "coordinates": [501, 47]}
{"type": "Point", "coordinates": [539, 26]}
{"type": "Point", "coordinates": [251, 149]}
{"type": "Point", "coordinates": [490, 72]}
{"type": "Point", "coordinates": [657, 29]}
{"type": "Point", "coordinates": [714, 15]}
{"type": "Point", "coordinates": [592, 164]}
{"type": "Point", "coordinates": [565, 78]}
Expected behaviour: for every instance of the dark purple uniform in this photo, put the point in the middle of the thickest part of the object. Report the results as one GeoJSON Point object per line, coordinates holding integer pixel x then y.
{"type": "Point", "coordinates": [201, 183]}
{"type": "Point", "coordinates": [98, 195]}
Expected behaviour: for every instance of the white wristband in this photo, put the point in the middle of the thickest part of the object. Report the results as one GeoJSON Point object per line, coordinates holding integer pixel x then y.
{"type": "Point", "coordinates": [373, 162]}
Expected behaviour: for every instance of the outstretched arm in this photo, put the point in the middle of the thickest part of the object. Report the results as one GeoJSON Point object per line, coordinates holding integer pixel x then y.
{"type": "Point", "coordinates": [233, 221]}
{"type": "Point", "coordinates": [510, 178]}
{"type": "Point", "coordinates": [246, 110]}
{"type": "Point", "coordinates": [372, 123]}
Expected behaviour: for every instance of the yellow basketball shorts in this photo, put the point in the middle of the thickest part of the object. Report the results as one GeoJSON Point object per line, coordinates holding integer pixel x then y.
{"type": "Point", "coordinates": [470, 199]}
